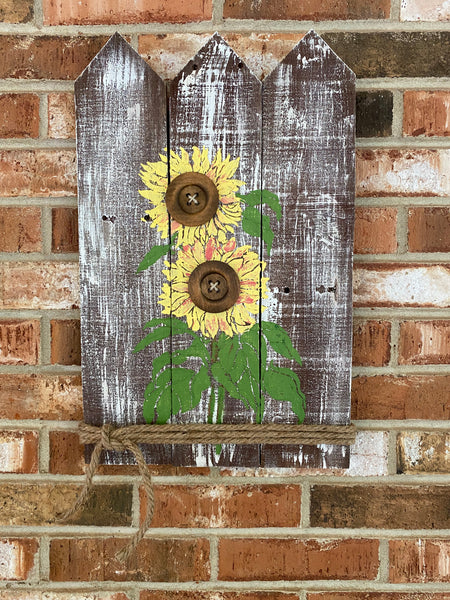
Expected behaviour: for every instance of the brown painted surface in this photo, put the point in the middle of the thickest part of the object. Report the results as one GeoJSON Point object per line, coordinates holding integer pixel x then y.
{"type": "Point", "coordinates": [371, 343]}
{"type": "Point", "coordinates": [401, 397]}
{"type": "Point", "coordinates": [429, 229]}
{"type": "Point", "coordinates": [275, 559]}
{"type": "Point", "coordinates": [19, 342]}
{"type": "Point", "coordinates": [423, 452]}
{"type": "Point", "coordinates": [40, 504]}
{"type": "Point", "coordinates": [41, 397]}
{"type": "Point", "coordinates": [383, 507]}
{"type": "Point", "coordinates": [64, 229]}
{"type": "Point", "coordinates": [65, 342]}
{"type": "Point", "coordinates": [18, 557]}
{"type": "Point", "coordinates": [20, 115]}
{"type": "Point", "coordinates": [168, 560]}
{"type": "Point", "coordinates": [19, 451]}
{"type": "Point", "coordinates": [20, 229]}
{"type": "Point", "coordinates": [426, 113]}
{"type": "Point", "coordinates": [419, 561]}
{"type": "Point", "coordinates": [424, 343]}
{"type": "Point", "coordinates": [375, 230]}
{"type": "Point", "coordinates": [61, 116]}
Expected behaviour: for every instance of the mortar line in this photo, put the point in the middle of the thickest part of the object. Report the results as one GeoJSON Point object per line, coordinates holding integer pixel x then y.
{"type": "Point", "coordinates": [39, 256]}
{"type": "Point", "coordinates": [397, 114]}
{"type": "Point", "coordinates": [44, 559]}
{"type": "Point", "coordinates": [392, 453]}
{"type": "Point", "coordinates": [46, 232]}
{"type": "Point", "coordinates": [44, 451]}
{"type": "Point", "coordinates": [402, 234]}
{"type": "Point", "coordinates": [396, 10]}
{"type": "Point", "coordinates": [217, 12]}
{"type": "Point", "coordinates": [214, 558]}
{"type": "Point", "coordinates": [395, 337]}
{"type": "Point", "coordinates": [305, 506]}
{"type": "Point", "coordinates": [383, 553]}
{"type": "Point", "coordinates": [38, 14]}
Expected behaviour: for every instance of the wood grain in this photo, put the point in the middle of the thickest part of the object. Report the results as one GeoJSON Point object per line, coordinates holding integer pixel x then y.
{"type": "Point", "coordinates": [121, 123]}
{"type": "Point", "coordinates": [308, 149]}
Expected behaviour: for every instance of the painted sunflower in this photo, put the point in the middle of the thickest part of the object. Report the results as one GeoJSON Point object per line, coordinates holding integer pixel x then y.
{"type": "Point", "coordinates": [220, 171]}
{"type": "Point", "coordinates": [176, 300]}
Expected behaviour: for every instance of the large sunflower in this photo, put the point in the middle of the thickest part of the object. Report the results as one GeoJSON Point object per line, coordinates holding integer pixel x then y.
{"type": "Point", "coordinates": [175, 296]}
{"type": "Point", "coordinates": [220, 171]}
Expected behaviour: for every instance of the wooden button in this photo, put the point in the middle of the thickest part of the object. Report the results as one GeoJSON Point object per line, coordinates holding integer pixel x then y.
{"type": "Point", "coordinates": [192, 199]}
{"type": "Point", "coordinates": [214, 286]}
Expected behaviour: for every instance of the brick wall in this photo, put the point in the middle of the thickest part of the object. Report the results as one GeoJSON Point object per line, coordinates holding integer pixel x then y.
{"type": "Point", "coordinates": [379, 531]}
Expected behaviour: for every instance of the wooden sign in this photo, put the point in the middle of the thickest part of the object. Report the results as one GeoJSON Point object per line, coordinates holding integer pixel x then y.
{"type": "Point", "coordinates": [216, 247]}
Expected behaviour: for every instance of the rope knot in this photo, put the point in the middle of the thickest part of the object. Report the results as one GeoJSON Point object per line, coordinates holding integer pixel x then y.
{"type": "Point", "coordinates": [107, 436]}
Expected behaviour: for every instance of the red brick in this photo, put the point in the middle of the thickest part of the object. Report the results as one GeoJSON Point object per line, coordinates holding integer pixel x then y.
{"type": "Point", "coordinates": [40, 285]}
{"type": "Point", "coordinates": [426, 113]}
{"type": "Point", "coordinates": [154, 560]}
{"type": "Point", "coordinates": [65, 344]}
{"type": "Point", "coordinates": [196, 595]}
{"type": "Point", "coordinates": [43, 503]}
{"type": "Point", "coordinates": [424, 10]}
{"type": "Point", "coordinates": [419, 561]}
{"type": "Point", "coordinates": [375, 230]}
{"type": "Point", "coordinates": [392, 397]}
{"type": "Point", "coordinates": [47, 57]}
{"type": "Point", "coordinates": [225, 506]}
{"type": "Point", "coordinates": [107, 12]}
{"type": "Point", "coordinates": [381, 507]}
{"type": "Point", "coordinates": [291, 559]}
{"type": "Point", "coordinates": [20, 229]}
{"type": "Point", "coordinates": [64, 229]}
{"type": "Point", "coordinates": [401, 285]}
{"type": "Point", "coordinates": [168, 54]}
{"type": "Point", "coordinates": [371, 343]}
{"type": "Point", "coordinates": [389, 172]}
{"type": "Point", "coordinates": [423, 452]}
{"type": "Point", "coordinates": [424, 343]}
{"type": "Point", "coordinates": [429, 229]}
{"type": "Point", "coordinates": [41, 397]}
{"type": "Point", "coordinates": [19, 342]}
{"type": "Point", "coordinates": [309, 10]}
{"type": "Point", "coordinates": [19, 451]}
{"type": "Point", "coordinates": [20, 115]}
{"type": "Point", "coordinates": [17, 558]}
{"type": "Point", "coordinates": [61, 116]}
{"type": "Point", "coordinates": [37, 172]}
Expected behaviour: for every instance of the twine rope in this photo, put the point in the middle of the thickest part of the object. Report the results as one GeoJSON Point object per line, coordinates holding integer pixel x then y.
{"type": "Point", "coordinates": [109, 437]}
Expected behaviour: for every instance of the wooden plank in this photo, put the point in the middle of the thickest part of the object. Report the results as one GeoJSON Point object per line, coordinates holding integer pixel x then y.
{"type": "Point", "coordinates": [308, 141]}
{"type": "Point", "coordinates": [215, 103]}
{"type": "Point", "coordinates": [121, 123]}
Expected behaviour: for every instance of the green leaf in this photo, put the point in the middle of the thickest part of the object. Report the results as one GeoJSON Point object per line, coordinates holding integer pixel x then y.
{"type": "Point", "coordinates": [227, 353]}
{"type": "Point", "coordinates": [153, 256]}
{"type": "Point", "coordinates": [256, 225]}
{"type": "Point", "coordinates": [267, 233]}
{"type": "Point", "coordinates": [224, 379]}
{"type": "Point", "coordinates": [181, 396]}
{"type": "Point", "coordinates": [248, 389]}
{"type": "Point", "coordinates": [200, 382]}
{"type": "Point", "coordinates": [252, 357]}
{"type": "Point", "coordinates": [258, 197]}
{"type": "Point", "coordinates": [158, 398]}
{"type": "Point", "coordinates": [284, 385]}
{"type": "Point", "coordinates": [280, 341]}
{"type": "Point", "coordinates": [252, 336]}
{"type": "Point", "coordinates": [159, 334]}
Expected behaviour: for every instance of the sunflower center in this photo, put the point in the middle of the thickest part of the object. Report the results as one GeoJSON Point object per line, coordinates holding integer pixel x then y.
{"type": "Point", "coordinates": [192, 199]}
{"type": "Point", "coordinates": [214, 286]}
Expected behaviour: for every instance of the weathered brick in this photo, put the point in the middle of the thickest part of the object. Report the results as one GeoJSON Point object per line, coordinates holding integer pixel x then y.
{"type": "Point", "coordinates": [419, 561]}
{"type": "Point", "coordinates": [375, 230]}
{"type": "Point", "coordinates": [41, 504]}
{"type": "Point", "coordinates": [16, 11]}
{"type": "Point", "coordinates": [426, 113]}
{"type": "Point", "coordinates": [48, 595]}
{"type": "Point", "coordinates": [401, 285]}
{"type": "Point", "coordinates": [398, 172]}
{"type": "Point", "coordinates": [371, 343]}
{"type": "Point", "coordinates": [424, 10]}
{"type": "Point", "coordinates": [64, 229]}
{"type": "Point", "coordinates": [308, 10]}
{"type": "Point", "coordinates": [393, 54]}
{"type": "Point", "coordinates": [17, 558]}
{"type": "Point", "coordinates": [374, 114]}
{"type": "Point", "coordinates": [429, 229]}
{"type": "Point", "coordinates": [92, 12]}
{"type": "Point", "coordinates": [19, 342]}
{"type": "Point", "coordinates": [384, 507]}
{"type": "Point", "coordinates": [366, 595]}
{"type": "Point", "coordinates": [20, 229]}
{"type": "Point", "coordinates": [20, 115]}
{"type": "Point", "coordinates": [47, 57]}
{"type": "Point", "coordinates": [168, 54]}
{"type": "Point", "coordinates": [40, 285]}
{"type": "Point", "coordinates": [368, 455]}
{"type": "Point", "coordinates": [154, 560]}
{"type": "Point", "coordinates": [401, 397]}
{"type": "Point", "coordinates": [275, 559]}
{"type": "Point", "coordinates": [41, 397]}
{"type": "Point", "coordinates": [19, 451]}
{"type": "Point", "coordinates": [37, 172]}
{"type": "Point", "coordinates": [225, 506]}
{"type": "Point", "coordinates": [423, 452]}
{"type": "Point", "coordinates": [196, 595]}
{"type": "Point", "coordinates": [65, 344]}
{"type": "Point", "coordinates": [61, 116]}
{"type": "Point", "coordinates": [424, 343]}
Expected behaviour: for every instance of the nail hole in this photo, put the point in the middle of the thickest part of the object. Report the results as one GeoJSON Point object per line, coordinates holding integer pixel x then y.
{"type": "Point", "coordinates": [105, 218]}
{"type": "Point", "coordinates": [147, 218]}
{"type": "Point", "coordinates": [286, 290]}
{"type": "Point", "coordinates": [194, 67]}
{"type": "Point", "coordinates": [240, 65]}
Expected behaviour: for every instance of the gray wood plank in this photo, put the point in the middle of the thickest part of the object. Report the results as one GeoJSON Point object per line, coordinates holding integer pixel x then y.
{"type": "Point", "coordinates": [215, 102]}
{"type": "Point", "coordinates": [308, 149]}
{"type": "Point", "coordinates": [121, 123]}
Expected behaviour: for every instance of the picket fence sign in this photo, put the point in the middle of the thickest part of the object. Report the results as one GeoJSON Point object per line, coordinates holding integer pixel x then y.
{"type": "Point", "coordinates": [216, 236]}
